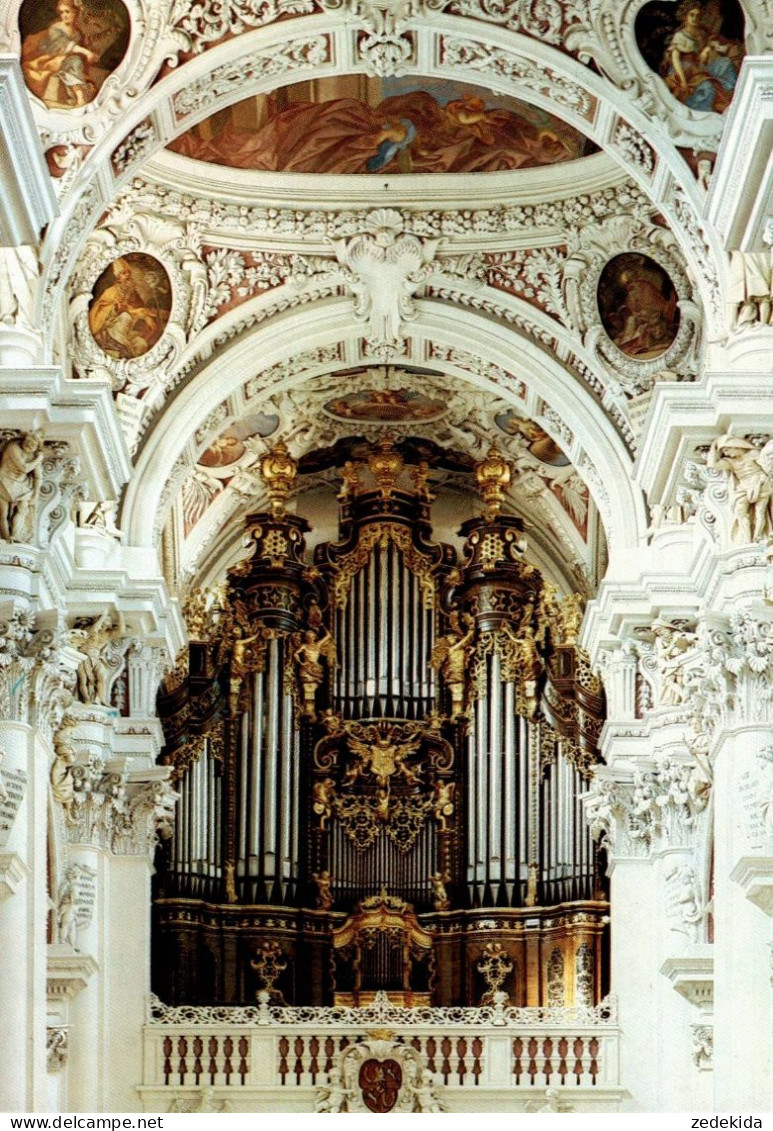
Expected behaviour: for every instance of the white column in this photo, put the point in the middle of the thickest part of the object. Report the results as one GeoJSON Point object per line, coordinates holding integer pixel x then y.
{"type": "Point", "coordinates": [23, 916]}
{"type": "Point", "coordinates": [743, 902]}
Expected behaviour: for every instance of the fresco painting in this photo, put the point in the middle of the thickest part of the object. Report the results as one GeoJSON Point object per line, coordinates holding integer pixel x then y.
{"type": "Point", "coordinates": [696, 47]}
{"type": "Point", "coordinates": [130, 308]}
{"type": "Point", "coordinates": [539, 444]}
{"type": "Point", "coordinates": [638, 305]}
{"type": "Point", "coordinates": [230, 446]}
{"type": "Point", "coordinates": [387, 405]}
{"type": "Point", "coordinates": [356, 124]}
{"type": "Point", "coordinates": [69, 47]}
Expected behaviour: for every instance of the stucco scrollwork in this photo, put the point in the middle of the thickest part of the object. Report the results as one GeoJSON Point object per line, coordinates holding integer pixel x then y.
{"type": "Point", "coordinates": [384, 267]}
{"type": "Point", "coordinates": [481, 58]}
{"type": "Point", "coordinates": [232, 79]}
{"type": "Point", "coordinates": [208, 21]}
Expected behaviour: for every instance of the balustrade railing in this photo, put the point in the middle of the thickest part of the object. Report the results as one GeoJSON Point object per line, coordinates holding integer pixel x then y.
{"type": "Point", "coordinates": [489, 1047]}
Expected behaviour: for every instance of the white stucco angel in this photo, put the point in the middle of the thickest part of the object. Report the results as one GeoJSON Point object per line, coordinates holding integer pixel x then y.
{"type": "Point", "coordinates": [20, 477]}
{"type": "Point", "coordinates": [332, 1096]}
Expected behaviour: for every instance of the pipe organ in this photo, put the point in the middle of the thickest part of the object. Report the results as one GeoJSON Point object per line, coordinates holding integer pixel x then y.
{"type": "Point", "coordinates": [380, 753]}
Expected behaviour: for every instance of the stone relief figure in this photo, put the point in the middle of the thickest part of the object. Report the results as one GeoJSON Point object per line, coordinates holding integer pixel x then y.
{"type": "Point", "coordinates": [749, 289]}
{"type": "Point", "coordinates": [688, 899]}
{"type": "Point", "coordinates": [765, 758]}
{"type": "Point", "coordinates": [750, 471]}
{"type": "Point", "coordinates": [20, 477]}
{"type": "Point", "coordinates": [99, 643]}
{"type": "Point", "coordinates": [67, 909]}
{"type": "Point", "coordinates": [62, 780]}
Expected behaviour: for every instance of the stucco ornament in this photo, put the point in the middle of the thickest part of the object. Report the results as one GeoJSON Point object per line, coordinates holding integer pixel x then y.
{"type": "Point", "coordinates": [379, 1075]}
{"type": "Point", "coordinates": [383, 267]}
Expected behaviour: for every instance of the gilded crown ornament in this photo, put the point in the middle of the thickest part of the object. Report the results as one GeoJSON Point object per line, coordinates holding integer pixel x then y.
{"type": "Point", "coordinates": [494, 474]}
{"type": "Point", "coordinates": [279, 472]}
{"type": "Point", "coordinates": [387, 465]}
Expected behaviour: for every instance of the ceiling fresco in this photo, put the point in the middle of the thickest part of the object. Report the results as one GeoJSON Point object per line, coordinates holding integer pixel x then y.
{"type": "Point", "coordinates": [356, 124]}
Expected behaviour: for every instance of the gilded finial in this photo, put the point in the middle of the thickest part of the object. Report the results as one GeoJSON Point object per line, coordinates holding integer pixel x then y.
{"type": "Point", "coordinates": [494, 474]}
{"type": "Point", "coordinates": [279, 472]}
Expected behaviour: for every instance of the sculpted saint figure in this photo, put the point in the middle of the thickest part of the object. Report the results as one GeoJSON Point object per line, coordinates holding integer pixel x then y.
{"type": "Point", "coordinates": [19, 485]}
{"type": "Point", "coordinates": [750, 471]}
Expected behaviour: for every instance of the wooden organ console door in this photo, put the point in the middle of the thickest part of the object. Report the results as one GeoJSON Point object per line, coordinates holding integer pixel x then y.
{"type": "Point", "coordinates": [386, 732]}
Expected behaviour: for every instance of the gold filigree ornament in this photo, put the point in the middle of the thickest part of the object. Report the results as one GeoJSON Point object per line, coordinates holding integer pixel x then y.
{"type": "Point", "coordinates": [378, 535]}
{"type": "Point", "coordinates": [386, 465]}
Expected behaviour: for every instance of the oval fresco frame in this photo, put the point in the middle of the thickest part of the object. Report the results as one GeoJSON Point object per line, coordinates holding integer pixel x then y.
{"type": "Point", "coordinates": [638, 373]}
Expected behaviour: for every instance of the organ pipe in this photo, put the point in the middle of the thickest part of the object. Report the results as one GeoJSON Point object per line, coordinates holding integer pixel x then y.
{"type": "Point", "coordinates": [391, 718]}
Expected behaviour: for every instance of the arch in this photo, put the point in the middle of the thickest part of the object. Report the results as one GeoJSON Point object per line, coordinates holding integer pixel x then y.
{"type": "Point", "coordinates": [597, 451]}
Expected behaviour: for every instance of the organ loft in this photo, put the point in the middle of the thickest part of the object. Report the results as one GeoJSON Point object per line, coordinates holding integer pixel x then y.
{"type": "Point", "coordinates": [381, 746]}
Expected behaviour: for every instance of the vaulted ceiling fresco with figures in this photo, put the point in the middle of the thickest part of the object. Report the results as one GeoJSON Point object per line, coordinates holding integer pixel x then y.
{"type": "Point", "coordinates": [358, 124]}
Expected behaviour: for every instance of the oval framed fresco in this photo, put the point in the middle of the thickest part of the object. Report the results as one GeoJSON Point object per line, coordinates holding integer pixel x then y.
{"type": "Point", "coordinates": [130, 307]}
{"type": "Point", "coordinates": [69, 47]}
{"type": "Point", "coordinates": [696, 46]}
{"type": "Point", "coordinates": [638, 305]}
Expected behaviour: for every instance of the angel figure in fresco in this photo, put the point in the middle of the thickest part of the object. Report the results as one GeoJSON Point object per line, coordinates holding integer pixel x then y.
{"type": "Point", "coordinates": [701, 66]}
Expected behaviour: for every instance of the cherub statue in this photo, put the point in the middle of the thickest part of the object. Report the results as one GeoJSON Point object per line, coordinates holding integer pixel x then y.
{"type": "Point", "coordinates": [443, 802]}
{"type": "Point", "coordinates": [20, 475]}
{"type": "Point", "coordinates": [440, 900]}
{"type": "Point", "coordinates": [324, 884]}
{"type": "Point", "coordinates": [331, 1097]}
{"type": "Point", "coordinates": [323, 796]}
{"type": "Point", "coordinates": [425, 1091]}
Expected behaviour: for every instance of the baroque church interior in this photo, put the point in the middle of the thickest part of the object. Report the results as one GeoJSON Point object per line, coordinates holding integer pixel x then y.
{"type": "Point", "coordinates": [386, 496]}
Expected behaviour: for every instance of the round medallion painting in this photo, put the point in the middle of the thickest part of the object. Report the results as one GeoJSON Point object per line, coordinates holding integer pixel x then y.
{"type": "Point", "coordinates": [69, 47]}
{"type": "Point", "coordinates": [697, 46]}
{"type": "Point", "coordinates": [131, 305]}
{"type": "Point", "coordinates": [638, 305]}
